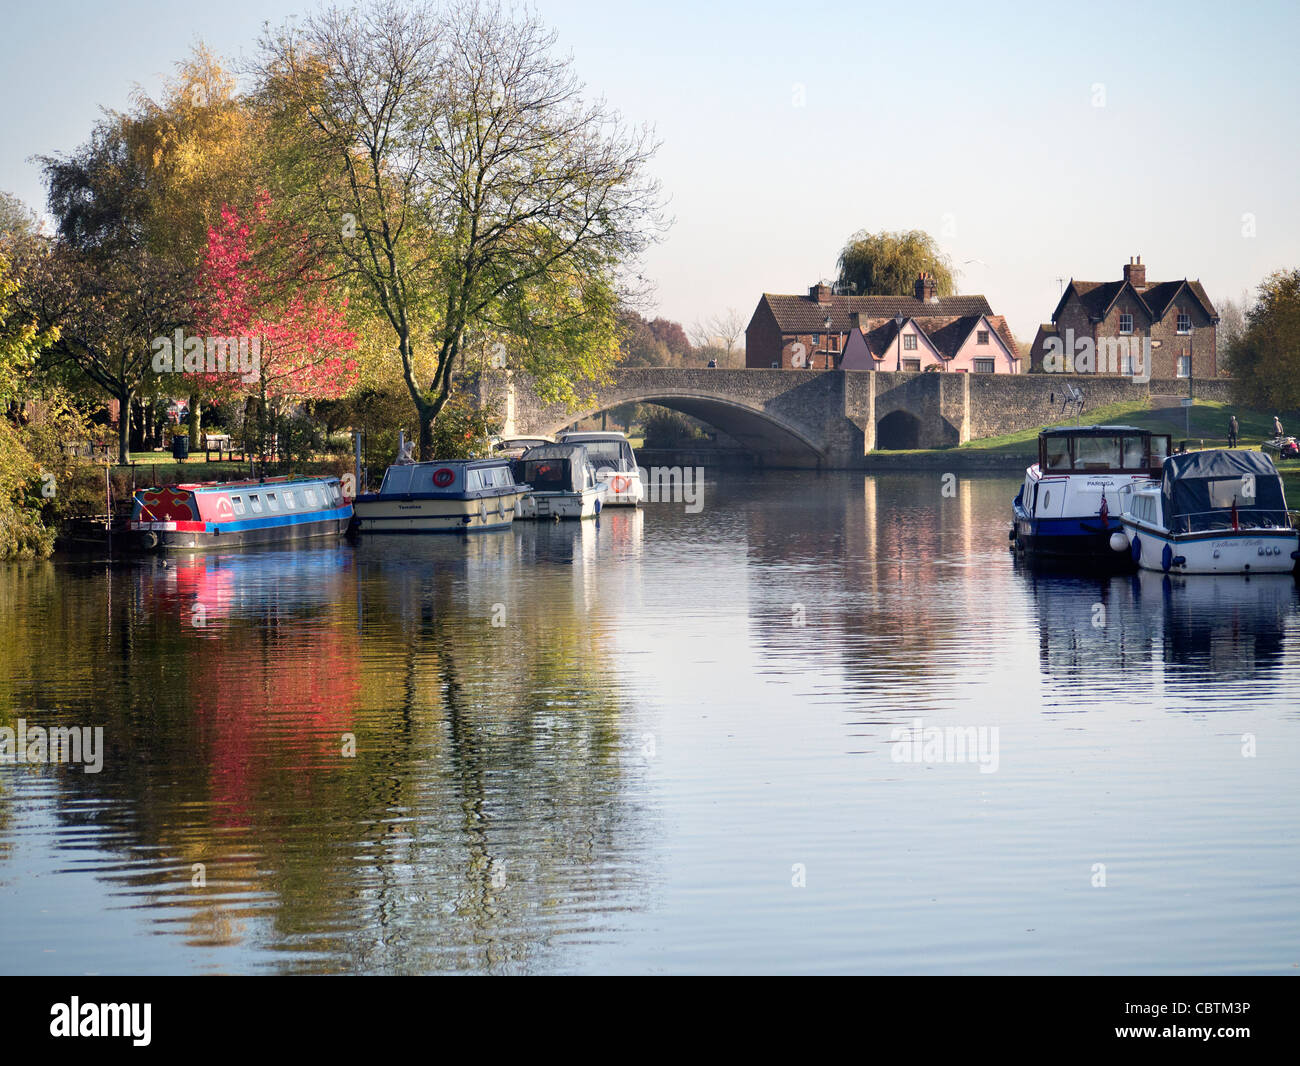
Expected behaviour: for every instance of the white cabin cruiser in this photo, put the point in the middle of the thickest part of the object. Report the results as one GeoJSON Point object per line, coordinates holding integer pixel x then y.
{"type": "Point", "coordinates": [444, 496]}
{"type": "Point", "coordinates": [1218, 511]}
{"type": "Point", "coordinates": [615, 464]}
{"type": "Point", "coordinates": [563, 483]}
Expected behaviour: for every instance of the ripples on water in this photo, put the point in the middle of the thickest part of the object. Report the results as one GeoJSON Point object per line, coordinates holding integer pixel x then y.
{"type": "Point", "coordinates": [675, 717]}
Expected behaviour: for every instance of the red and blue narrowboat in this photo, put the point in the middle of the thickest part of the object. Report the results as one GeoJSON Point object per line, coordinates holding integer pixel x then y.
{"type": "Point", "coordinates": [234, 513]}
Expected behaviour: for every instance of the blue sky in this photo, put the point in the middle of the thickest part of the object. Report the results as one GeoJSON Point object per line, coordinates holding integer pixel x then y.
{"type": "Point", "coordinates": [1035, 141]}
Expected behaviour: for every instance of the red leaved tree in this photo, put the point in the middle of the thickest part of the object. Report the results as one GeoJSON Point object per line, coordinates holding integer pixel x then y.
{"type": "Point", "coordinates": [263, 304]}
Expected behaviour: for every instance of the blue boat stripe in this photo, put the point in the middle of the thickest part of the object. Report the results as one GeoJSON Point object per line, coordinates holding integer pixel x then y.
{"type": "Point", "coordinates": [269, 521]}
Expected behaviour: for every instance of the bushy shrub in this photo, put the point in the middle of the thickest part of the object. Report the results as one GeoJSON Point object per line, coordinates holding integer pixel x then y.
{"type": "Point", "coordinates": [668, 429]}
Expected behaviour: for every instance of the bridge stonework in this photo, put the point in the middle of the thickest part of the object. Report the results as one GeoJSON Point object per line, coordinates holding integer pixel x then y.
{"type": "Point", "coordinates": [828, 419]}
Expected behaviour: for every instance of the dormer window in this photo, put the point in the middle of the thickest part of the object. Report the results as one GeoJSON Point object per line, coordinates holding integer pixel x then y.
{"type": "Point", "coordinates": [1126, 323]}
{"type": "Point", "coordinates": [1184, 322]}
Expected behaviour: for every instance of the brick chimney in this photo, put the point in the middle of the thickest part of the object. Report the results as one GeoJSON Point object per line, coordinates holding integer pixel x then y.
{"type": "Point", "coordinates": [1136, 274]}
{"type": "Point", "coordinates": [925, 288]}
{"type": "Point", "coordinates": [821, 292]}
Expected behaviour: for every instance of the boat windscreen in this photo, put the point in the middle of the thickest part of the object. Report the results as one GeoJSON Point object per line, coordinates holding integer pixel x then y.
{"type": "Point", "coordinates": [603, 453]}
{"type": "Point", "coordinates": [548, 475]}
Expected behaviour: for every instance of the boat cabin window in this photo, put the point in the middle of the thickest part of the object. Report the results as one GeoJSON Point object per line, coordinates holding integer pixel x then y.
{"type": "Point", "coordinates": [547, 474]}
{"type": "Point", "coordinates": [1096, 453]}
{"type": "Point", "coordinates": [237, 504]}
{"type": "Point", "coordinates": [310, 496]}
{"type": "Point", "coordinates": [255, 502]}
{"type": "Point", "coordinates": [289, 502]}
{"type": "Point", "coordinates": [271, 502]}
{"type": "Point", "coordinates": [1058, 453]}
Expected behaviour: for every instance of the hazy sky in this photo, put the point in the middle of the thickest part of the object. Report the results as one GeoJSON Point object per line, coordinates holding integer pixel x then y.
{"type": "Point", "coordinates": [1035, 141]}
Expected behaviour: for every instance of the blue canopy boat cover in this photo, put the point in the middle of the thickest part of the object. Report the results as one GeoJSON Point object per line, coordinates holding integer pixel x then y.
{"type": "Point", "coordinates": [1201, 490]}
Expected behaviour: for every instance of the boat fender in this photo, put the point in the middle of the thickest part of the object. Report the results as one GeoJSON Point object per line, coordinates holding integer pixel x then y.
{"type": "Point", "coordinates": [1167, 557]}
{"type": "Point", "coordinates": [1136, 549]}
{"type": "Point", "coordinates": [150, 540]}
{"type": "Point", "coordinates": [1119, 542]}
{"type": "Point", "coordinates": [1180, 560]}
{"type": "Point", "coordinates": [598, 506]}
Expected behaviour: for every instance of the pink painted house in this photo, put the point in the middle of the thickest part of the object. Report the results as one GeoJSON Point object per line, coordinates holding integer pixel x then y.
{"type": "Point", "coordinates": [960, 344]}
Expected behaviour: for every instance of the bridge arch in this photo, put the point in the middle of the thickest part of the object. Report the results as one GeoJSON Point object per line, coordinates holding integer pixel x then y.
{"type": "Point", "coordinates": [774, 439]}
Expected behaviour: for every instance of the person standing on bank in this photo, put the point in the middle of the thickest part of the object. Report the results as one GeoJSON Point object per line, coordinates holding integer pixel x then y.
{"type": "Point", "coordinates": [1233, 429]}
{"type": "Point", "coordinates": [1277, 426]}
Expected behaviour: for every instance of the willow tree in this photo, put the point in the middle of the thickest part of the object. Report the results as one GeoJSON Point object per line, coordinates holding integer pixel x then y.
{"type": "Point", "coordinates": [448, 159]}
{"type": "Point", "coordinates": [888, 264]}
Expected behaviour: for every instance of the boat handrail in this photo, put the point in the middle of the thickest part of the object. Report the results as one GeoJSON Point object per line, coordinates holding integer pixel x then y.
{"type": "Point", "coordinates": [1185, 524]}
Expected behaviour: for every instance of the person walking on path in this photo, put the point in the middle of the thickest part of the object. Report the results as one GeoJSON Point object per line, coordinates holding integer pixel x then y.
{"type": "Point", "coordinates": [1233, 429]}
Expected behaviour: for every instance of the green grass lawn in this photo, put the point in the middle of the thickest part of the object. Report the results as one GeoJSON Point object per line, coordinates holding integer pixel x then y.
{"type": "Point", "coordinates": [1209, 423]}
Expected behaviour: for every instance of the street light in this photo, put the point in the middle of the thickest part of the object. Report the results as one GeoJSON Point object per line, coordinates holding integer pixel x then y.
{"type": "Point", "coordinates": [898, 322]}
{"type": "Point", "coordinates": [827, 340]}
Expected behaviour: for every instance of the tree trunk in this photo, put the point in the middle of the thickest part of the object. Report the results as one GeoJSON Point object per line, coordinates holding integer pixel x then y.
{"type": "Point", "coordinates": [426, 433]}
{"type": "Point", "coordinates": [196, 409]}
{"type": "Point", "coordinates": [123, 427]}
{"type": "Point", "coordinates": [135, 424]}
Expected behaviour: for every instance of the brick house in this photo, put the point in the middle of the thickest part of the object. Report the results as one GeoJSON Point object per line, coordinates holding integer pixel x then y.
{"type": "Point", "coordinates": [826, 330]}
{"type": "Point", "coordinates": [1176, 315]}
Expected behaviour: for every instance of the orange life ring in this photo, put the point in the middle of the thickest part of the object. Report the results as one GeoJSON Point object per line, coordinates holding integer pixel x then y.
{"type": "Point", "coordinates": [444, 476]}
{"type": "Point", "coordinates": [619, 484]}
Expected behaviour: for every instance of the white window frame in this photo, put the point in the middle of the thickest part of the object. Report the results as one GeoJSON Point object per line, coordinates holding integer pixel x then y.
{"type": "Point", "coordinates": [1184, 366]}
{"type": "Point", "coordinates": [909, 342]}
{"type": "Point", "coordinates": [1125, 316]}
{"type": "Point", "coordinates": [1184, 330]}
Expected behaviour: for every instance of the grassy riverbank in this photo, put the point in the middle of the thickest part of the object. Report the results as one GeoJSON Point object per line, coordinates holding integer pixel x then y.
{"type": "Point", "coordinates": [1014, 451]}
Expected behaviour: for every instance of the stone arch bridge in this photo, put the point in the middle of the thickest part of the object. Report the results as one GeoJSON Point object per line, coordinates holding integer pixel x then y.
{"type": "Point", "coordinates": [816, 418]}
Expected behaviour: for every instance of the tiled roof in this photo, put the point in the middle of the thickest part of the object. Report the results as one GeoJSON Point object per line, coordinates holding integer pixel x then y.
{"type": "Point", "coordinates": [1098, 296]}
{"type": "Point", "coordinates": [803, 314]}
{"type": "Point", "coordinates": [946, 332]}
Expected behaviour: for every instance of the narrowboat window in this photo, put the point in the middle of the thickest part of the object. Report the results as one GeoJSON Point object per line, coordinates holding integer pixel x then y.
{"type": "Point", "coordinates": [1096, 453]}
{"type": "Point", "coordinates": [289, 501]}
{"type": "Point", "coordinates": [255, 502]}
{"type": "Point", "coordinates": [237, 504]}
{"type": "Point", "coordinates": [1058, 453]}
{"type": "Point", "coordinates": [310, 494]}
{"type": "Point", "coordinates": [271, 502]}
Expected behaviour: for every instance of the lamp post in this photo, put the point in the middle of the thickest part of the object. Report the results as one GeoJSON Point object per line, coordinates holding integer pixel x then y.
{"type": "Point", "coordinates": [826, 339]}
{"type": "Point", "coordinates": [898, 323]}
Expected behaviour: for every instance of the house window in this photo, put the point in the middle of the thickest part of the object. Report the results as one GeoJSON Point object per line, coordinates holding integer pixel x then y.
{"type": "Point", "coordinates": [1126, 323]}
{"type": "Point", "coordinates": [909, 342]}
{"type": "Point", "coordinates": [1184, 322]}
{"type": "Point", "coordinates": [984, 366]}
{"type": "Point", "coordinates": [911, 364]}
{"type": "Point", "coordinates": [816, 339]}
{"type": "Point", "coordinates": [982, 337]}
{"type": "Point", "coordinates": [1184, 366]}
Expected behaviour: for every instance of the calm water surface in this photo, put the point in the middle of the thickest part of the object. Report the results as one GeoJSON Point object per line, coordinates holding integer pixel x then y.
{"type": "Point", "coordinates": [677, 749]}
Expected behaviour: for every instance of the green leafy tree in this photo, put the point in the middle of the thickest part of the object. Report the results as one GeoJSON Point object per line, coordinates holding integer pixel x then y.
{"type": "Point", "coordinates": [1265, 357]}
{"type": "Point", "coordinates": [888, 264]}
{"type": "Point", "coordinates": [447, 161]}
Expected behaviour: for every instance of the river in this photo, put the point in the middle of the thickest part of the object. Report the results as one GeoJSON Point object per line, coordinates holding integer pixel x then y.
{"type": "Point", "coordinates": [819, 723]}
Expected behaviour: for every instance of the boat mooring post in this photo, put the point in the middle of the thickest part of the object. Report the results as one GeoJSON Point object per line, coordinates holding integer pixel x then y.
{"type": "Point", "coordinates": [356, 437]}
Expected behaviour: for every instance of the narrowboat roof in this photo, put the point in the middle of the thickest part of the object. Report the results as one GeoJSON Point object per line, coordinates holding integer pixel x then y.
{"type": "Point", "coordinates": [597, 434]}
{"type": "Point", "coordinates": [253, 483]}
{"type": "Point", "coordinates": [1091, 431]}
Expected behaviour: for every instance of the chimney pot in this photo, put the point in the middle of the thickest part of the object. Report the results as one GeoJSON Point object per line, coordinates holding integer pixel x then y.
{"type": "Point", "coordinates": [925, 289]}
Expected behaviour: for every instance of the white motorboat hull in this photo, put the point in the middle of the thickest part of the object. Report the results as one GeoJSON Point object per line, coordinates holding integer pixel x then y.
{"type": "Point", "coordinates": [566, 505]}
{"type": "Point", "coordinates": [470, 515]}
{"type": "Point", "coordinates": [1224, 551]}
{"type": "Point", "coordinates": [624, 488]}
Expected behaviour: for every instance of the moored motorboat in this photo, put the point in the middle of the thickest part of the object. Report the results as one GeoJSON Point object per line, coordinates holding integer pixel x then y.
{"type": "Point", "coordinates": [615, 462]}
{"type": "Point", "coordinates": [1218, 511]}
{"type": "Point", "coordinates": [443, 496]}
{"type": "Point", "coordinates": [562, 481]}
{"type": "Point", "coordinates": [1068, 507]}
{"type": "Point", "coordinates": [234, 513]}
